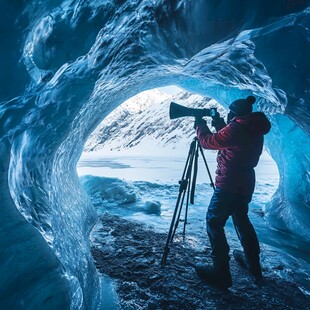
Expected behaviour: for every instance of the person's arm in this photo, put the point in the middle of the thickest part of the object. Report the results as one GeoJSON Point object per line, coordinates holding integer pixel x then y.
{"type": "Point", "coordinates": [225, 138]}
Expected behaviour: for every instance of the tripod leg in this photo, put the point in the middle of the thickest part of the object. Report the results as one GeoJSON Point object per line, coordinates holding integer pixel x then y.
{"type": "Point", "coordinates": [206, 164]}
{"type": "Point", "coordinates": [195, 174]}
{"type": "Point", "coordinates": [177, 211]}
{"type": "Point", "coordinates": [188, 178]}
{"type": "Point", "coordinates": [171, 229]}
{"type": "Point", "coordinates": [188, 182]}
{"type": "Point", "coordinates": [186, 209]}
{"type": "Point", "coordinates": [192, 183]}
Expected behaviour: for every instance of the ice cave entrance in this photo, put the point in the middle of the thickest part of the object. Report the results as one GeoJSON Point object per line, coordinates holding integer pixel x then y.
{"type": "Point", "coordinates": [137, 154]}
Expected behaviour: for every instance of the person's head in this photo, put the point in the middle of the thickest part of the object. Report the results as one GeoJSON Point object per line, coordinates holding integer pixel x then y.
{"type": "Point", "coordinates": [240, 107]}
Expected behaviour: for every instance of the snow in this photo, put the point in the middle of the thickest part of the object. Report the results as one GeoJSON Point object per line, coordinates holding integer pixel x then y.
{"type": "Point", "coordinates": [109, 189]}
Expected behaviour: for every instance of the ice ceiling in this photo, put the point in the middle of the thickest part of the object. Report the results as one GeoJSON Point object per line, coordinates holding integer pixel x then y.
{"type": "Point", "coordinates": [67, 64]}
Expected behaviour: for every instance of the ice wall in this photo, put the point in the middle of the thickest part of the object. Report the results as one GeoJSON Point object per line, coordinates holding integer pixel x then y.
{"type": "Point", "coordinates": [67, 64]}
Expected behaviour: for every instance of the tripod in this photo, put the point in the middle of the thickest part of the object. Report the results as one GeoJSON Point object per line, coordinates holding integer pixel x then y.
{"type": "Point", "coordinates": [187, 185]}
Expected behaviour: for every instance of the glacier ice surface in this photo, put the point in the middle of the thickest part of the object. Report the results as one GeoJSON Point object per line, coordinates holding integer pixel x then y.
{"type": "Point", "coordinates": [68, 64]}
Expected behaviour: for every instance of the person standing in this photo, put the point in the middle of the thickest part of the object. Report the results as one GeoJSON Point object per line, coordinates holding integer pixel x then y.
{"type": "Point", "coordinates": [239, 145]}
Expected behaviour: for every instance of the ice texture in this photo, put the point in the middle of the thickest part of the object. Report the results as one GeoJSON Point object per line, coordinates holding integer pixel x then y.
{"type": "Point", "coordinates": [109, 189]}
{"type": "Point", "coordinates": [68, 64]}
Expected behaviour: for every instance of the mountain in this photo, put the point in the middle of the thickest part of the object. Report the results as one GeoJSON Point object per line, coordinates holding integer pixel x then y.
{"type": "Point", "coordinates": [142, 124]}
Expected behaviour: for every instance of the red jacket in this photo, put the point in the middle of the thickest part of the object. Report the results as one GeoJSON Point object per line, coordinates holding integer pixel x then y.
{"type": "Point", "coordinates": [240, 144]}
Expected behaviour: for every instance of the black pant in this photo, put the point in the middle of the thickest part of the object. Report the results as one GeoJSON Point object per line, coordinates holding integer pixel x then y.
{"type": "Point", "coordinates": [222, 205]}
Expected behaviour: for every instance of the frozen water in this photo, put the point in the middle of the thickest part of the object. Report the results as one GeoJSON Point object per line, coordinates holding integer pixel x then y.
{"type": "Point", "coordinates": [157, 179]}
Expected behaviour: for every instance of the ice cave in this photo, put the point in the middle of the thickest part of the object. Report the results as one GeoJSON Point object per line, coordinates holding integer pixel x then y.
{"type": "Point", "coordinates": [66, 64]}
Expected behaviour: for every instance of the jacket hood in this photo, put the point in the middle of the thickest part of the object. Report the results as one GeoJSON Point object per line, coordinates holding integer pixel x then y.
{"type": "Point", "coordinates": [256, 123]}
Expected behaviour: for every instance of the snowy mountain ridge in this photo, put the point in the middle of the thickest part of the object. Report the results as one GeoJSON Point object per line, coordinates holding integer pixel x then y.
{"type": "Point", "coordinates": [142, 124]}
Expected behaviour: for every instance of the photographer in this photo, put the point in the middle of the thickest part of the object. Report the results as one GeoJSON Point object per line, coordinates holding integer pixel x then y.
{"type": "Point", "coordinates": [239, 145]}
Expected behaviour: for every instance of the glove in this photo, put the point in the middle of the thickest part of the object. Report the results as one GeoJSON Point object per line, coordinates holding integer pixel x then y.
{"type": "Point", "coordinates": [218, 123]}
{"type": "Point", "coordinates": [199, 121]}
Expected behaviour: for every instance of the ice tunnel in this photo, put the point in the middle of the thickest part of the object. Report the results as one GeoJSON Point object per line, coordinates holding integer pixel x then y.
{"type": "Point", "coordinates": [67, 64]}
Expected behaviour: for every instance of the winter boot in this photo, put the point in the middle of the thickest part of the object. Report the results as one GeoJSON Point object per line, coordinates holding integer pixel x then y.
{"type": "Point", "coordinates": [216, 274]}
{"type": "Point", "coordinates": [251, 265]}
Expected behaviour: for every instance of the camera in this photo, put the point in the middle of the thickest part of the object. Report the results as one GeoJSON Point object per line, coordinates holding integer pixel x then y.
{"type": "Point", "coordinates": [213, 112]}
{"type": "Point", "coordinates": [177, 110]}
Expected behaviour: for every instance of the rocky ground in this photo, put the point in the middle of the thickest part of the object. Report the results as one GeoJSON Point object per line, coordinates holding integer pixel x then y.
{"type": "Point", "coordinates": [131, 253]}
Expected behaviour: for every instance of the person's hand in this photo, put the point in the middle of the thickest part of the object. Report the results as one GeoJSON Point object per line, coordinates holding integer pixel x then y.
{"type": "Point", "coordinates": [218, 123]}
{"type": "Point", "coordinates": [199, 121]}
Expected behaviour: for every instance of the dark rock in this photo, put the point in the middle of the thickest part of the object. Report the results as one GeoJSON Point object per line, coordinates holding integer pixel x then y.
{"type": "Point", "coordinates": [143, 284]}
